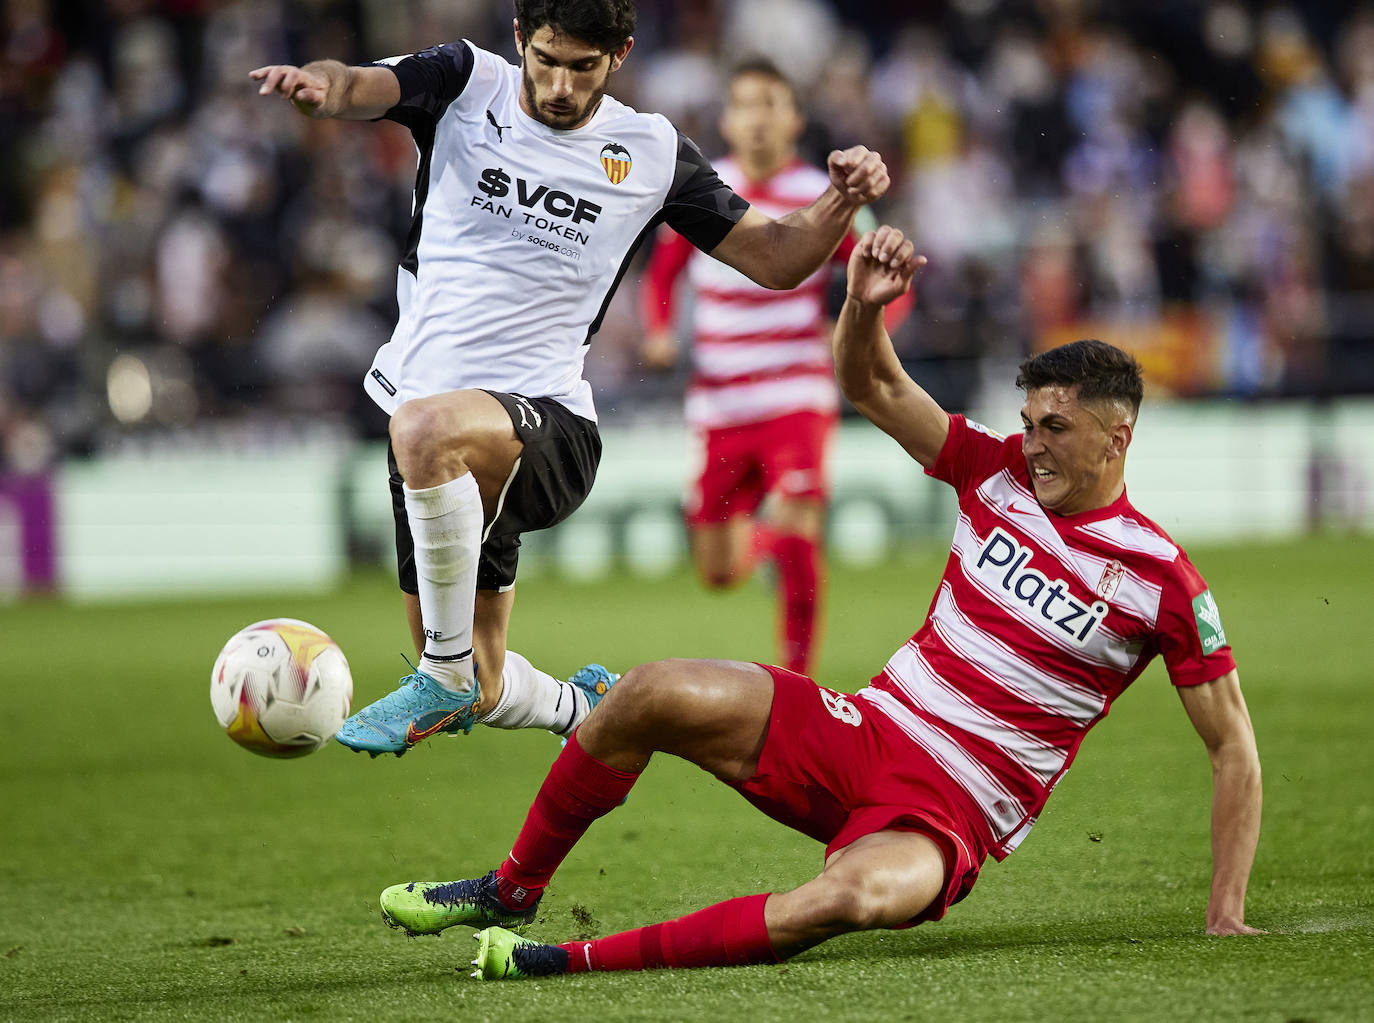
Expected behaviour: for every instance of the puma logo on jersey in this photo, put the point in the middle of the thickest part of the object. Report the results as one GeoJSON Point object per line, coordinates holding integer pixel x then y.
{"type": "Point", "coordinates": [499, 127]}
{"type": "Point", "coordinates": [1004, 564]}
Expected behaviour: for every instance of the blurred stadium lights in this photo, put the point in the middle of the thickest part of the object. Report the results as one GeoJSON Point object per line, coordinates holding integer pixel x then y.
{"type": "Point", "coordinates": [129, 386]}
{"type": "Point", "coordinates": [157, 387]}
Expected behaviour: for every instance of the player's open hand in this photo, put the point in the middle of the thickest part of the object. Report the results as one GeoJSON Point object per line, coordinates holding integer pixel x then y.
{"type": "Point", "coordinates": [306, 91]}
{"type": "Point", "coordinates": [858, 174]}
{"type": "Point", "coordinates": [882, 266]}
{"type": "Point", "coordinates": [658, 351]}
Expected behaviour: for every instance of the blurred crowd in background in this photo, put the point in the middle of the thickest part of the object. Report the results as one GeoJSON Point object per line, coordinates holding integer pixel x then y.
{"type": "Point", "coordinates": [179, 256]}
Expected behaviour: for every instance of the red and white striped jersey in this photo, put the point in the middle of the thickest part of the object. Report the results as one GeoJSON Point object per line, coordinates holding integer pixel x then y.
{"type": "Point", "coordinates": [757, 354]}
{"type": "Point", "coordinates": [1040, 621]}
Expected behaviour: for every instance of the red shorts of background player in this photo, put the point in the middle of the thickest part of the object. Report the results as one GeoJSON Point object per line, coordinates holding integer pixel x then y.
{"type": "Point", "coordinates": [740, 465]}
{"type": "Point", "coordinates": [835, 769]}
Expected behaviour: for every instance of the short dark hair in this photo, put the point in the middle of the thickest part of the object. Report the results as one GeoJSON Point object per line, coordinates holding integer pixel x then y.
{"type": "Point", "coordinates": [761, 65]}
{"type": "Point", "coordinates": [1100, 371]}
{"type": "Point", "coordinates": [605, 24]}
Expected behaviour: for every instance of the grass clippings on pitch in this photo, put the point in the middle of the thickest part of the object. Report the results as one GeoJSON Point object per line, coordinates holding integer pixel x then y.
{"type": "Point", "coordinates": [150, 869]}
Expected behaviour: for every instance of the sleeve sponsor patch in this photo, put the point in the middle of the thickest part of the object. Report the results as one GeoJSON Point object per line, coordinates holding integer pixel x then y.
{"type": "Point", "coordinates": [984, 430]}
{"type": "Point", "coordinates": [1208, 618]}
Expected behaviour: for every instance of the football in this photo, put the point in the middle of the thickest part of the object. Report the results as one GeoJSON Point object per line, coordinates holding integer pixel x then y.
{"type": "Point", "coordinates": [281, 688]}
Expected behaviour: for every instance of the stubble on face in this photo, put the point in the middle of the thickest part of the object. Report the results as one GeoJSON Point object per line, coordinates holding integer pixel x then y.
{"type": "Point", "coordinates": [561, 115]}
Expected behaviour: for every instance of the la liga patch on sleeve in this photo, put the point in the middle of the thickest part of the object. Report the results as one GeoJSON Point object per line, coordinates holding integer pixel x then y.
{"type": "Point", "coordinates": [1208, 618]}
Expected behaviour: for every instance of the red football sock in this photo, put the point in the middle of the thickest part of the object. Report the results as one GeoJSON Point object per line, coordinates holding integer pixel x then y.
{"type": "Point", "coordinates": [578, 790]}
{"type": "Point", "coordinates": [801, 578]}
{"type": "Point", "coordinates": [727, 934]}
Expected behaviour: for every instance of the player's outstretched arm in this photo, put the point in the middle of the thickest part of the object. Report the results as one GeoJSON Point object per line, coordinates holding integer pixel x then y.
{"type": "Point", "coordinates": [1217, 710]}
{"type": "Point", "coordinates": [782, 253]}
{"type": "Point", "coordinates": [327, 88]}
{"type": "Point", "coordinates": [881, 269]}
{"type": "Point", "coordinates": [672, 253]}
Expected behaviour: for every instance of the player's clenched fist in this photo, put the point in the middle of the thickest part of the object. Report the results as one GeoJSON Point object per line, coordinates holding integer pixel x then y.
{"type": "Point", "coordinates": [306, 89]}
{"type": "Point", "coordinates": [882, 266]}
{"type": "Point", "coordinates": [858, 174]}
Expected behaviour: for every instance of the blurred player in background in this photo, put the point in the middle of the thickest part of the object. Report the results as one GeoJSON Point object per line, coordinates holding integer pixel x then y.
{"type": "Point", "coordinates": [533, 190]}
{"type": "Point", "coordinates": [1056, 596]}
{"type": "Point", "coordinates": [762, 403]}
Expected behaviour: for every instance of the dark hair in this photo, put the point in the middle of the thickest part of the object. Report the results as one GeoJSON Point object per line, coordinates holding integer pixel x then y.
{"type": "Point", "coordinates": [1100, 371]}
{"type": "Point", "coordinates": [605, 24]}
{"type": "Point", "coordinates": [761, 65]}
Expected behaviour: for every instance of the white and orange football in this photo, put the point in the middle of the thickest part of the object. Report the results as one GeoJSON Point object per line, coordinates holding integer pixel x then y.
{"type": "Point", "coordinates": [281, 688]}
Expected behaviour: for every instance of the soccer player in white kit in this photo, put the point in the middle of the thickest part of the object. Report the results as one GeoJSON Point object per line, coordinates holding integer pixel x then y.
{"type": "Point", "coordinates": [533, 190]}
{"type": "Point", "coordinates": [1057, 594]}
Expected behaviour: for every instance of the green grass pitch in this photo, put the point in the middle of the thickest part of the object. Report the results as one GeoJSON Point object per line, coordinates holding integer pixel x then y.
{"type": "Point", "coordinates": [150, 869]}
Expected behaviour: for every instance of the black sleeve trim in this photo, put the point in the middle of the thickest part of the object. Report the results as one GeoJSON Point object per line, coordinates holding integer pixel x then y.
{"type": "Point", "coordinates": [430, 80]}
{"type": "Point", "coordinates": [699, 206]}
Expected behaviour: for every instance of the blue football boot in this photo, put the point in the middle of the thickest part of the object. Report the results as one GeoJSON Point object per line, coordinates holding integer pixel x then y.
{"type": "Point", "coordinates": [421, 707]}
{"type": "Point", "coordinates": [595, 681]}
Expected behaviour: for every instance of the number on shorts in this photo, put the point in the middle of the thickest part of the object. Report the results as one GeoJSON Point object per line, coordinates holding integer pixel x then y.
{"type": "Point", "coordinates": [841, 708]}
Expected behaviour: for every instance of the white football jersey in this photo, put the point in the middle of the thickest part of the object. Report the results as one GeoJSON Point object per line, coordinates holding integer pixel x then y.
{"type": "Point", "coordinates": [521, 232]}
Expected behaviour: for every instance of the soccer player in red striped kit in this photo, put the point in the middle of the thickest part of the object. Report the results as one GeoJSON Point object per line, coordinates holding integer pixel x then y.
{"type": "Point", "coordinates": [761, 404]}
{"type": "Point", "coordinates": [1057, 594]}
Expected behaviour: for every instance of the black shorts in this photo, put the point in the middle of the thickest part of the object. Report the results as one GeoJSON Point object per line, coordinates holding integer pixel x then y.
{"type": "Point", "coordinates": [552, 478]}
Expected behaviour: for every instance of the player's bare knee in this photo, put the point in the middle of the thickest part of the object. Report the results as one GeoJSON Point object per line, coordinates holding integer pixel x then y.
{"type": "Point", "coordinates": [650, 698]}
{"type": "Point", "coordinates": [858, 902]}
{"type": "Point", "coordinates": [853, 905]}
{"type": "Point", "coordinates": [719, 573]}
{"type": "Point", "coordinates": [621, 711]}
{"type": "Point", "coordinates": [429, 443]}
{"type": "Point", "coordinates": [414, 429]}
{"type": "Point", "coordinates": [833, 909]}
{"type": "Point", "coordinates": [718, 579]}
{"type": "Point", "coordinates": [644, 687]}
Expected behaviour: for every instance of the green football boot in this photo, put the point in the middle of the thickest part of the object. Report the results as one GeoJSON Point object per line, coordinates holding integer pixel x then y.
{"type": "Point", "coordinates": [428, 907]}
{"type": "Point", "coordinates": [503, 955]}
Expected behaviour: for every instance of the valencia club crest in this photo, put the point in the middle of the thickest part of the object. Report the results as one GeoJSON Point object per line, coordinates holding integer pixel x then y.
{"type": "Point", "coordinates": [615, 158]}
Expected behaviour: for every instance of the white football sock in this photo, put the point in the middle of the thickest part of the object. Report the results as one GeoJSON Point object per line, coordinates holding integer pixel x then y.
{"type": "Point", "coordinates": [532, 699]}
{"type": "Point", "coordinates": [446, 524]}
